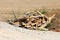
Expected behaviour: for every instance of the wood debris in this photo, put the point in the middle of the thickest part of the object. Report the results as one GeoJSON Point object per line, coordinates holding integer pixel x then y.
{"type": "Point", "coordinates": [34, 21]}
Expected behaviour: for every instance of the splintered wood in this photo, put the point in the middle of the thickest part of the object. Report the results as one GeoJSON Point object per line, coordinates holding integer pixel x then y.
{"type": "Point", "coordinates": [34, 21]}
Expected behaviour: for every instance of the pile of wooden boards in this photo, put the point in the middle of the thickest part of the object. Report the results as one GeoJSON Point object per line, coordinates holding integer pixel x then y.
{"type": "Point", "coordinates": [33, 20]}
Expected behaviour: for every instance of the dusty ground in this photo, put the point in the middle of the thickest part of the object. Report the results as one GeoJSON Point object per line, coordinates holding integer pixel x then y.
{"type": "Point", "coordinates": [25, 4]}
{"type": "Point", "coordinates": [9, 32]}
{"type": "Point", "coordinates": [53, 6]}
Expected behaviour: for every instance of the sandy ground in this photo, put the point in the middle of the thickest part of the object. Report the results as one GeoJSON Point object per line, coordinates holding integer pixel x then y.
{"type": "Point", "coordinates": [28, 4]}
{"type": "Point", "coordinates": [9, 32]}
{"type": "Point", "coordinates": [6, 7]}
